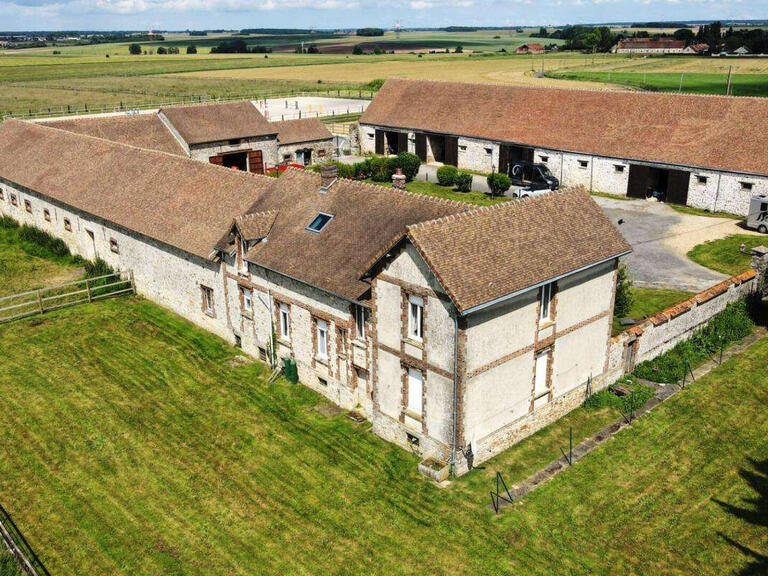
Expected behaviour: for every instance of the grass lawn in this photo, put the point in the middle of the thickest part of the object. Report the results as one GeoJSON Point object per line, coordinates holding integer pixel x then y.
{"type": "Point", "coordinates": [699, 212]}
{"type": "Point", "coordinates": [649, 301]}
{"type": "Point", "coordinates": [724, 255]}
{"type": "Point", "coordinates": [447, 192]}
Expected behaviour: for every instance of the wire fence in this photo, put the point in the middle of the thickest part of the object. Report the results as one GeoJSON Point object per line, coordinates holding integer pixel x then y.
{"type": "Point", "coordinates": [124, 107]}
{"type": "Point", "coordinates": [19, 547]}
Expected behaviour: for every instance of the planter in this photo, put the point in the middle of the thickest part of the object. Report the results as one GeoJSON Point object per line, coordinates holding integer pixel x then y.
{"type": "Point", "coordinates": [434, 469]}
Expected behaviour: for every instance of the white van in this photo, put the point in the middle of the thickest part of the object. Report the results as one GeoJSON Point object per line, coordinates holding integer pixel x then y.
{"type": "Point", "coordinates": [757, 218]}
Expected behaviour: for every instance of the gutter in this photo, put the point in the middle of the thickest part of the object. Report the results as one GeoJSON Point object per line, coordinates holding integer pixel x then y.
{"type": "Point", "coordinates": [455, 416]}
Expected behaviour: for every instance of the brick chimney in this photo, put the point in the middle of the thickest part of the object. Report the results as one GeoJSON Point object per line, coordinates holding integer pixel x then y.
{"type": "Point", "coordinates": [328, 175]}
{"type": "Point", "coordinates": [398, 179]}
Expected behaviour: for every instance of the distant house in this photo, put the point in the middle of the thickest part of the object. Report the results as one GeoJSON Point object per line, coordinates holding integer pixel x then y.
{"type": "Point", "coordinates": [533, 48]}
{"type": "Point", "coordinates": [649, 46]}
{"type": "Point", "coordinates": [700, 48]}
{"type": "Point", "coordinates": [742, 51]}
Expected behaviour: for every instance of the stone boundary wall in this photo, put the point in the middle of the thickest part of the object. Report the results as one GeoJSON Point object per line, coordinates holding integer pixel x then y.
{"type": "Point", "coordinates": [663, 331]}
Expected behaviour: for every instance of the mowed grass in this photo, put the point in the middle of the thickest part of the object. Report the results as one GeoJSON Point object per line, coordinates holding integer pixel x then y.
{"type": "Point", "coordinates": [725, 255]}
{"type": "Point", "coordinates": [649, 301]}
{"type": "Point", "coordinates": [448, 193]}
{"type": "Point", "coordinates": [139, 449]}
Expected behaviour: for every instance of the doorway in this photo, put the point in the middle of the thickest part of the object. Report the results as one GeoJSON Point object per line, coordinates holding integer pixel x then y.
{"type": "Point", "coordinates": [304, 157]}
{"type": "Point", "coordinates": [666, 184]}
{"type": "Point", "coordinates": [92, 255]}
{"type": "Point", "coordinates": [509, 154]}
{"type": "Point", "coordinates": [236, 160]}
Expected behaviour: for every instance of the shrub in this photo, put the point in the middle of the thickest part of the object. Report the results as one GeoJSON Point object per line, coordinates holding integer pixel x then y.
{"type": "Point", "coordinates": [464, 182]}
{"type": "Point", "coordinates": [191, 49]}
{"type": "Point", "coordinates": [446, 175]}
{"type": "Point", "coordinates": [357, 50]}
{"type": "Point", "coordinates": [162, 50]}
{"type": "Point", "coordinates": [8, 223]}
{"type": "Point", "coordinates": [47, 243]}
{"type": "Point", "coordinates": [134, 49]}
{"type": "Point", "coordinates": [730, 325]}
{"type": "Point", "coordinates": [498, 183]}
{"type": "Point", "coordinates": [97, 268]}
{"type": "Point", "coordinates": [409, 164]}
{"type": "Point", "coordinates": [624, 295]}
{"type": "Point", "coordinates": [608, 399]}
{"type": "Point", "coordinates": [380, 169]}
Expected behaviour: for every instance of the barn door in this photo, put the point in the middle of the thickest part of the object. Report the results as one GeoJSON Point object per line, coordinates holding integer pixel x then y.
{"type": "Point", "coordinates": [504, 159]}
{"type": "Point", "coordinates": [218, 160]}
{"type": "Point", "coordinates": [256, 161]}
{"type": "Point", "coordinates": [421, 146]}
{"type": "Point", "coordinates": [451, 150]}
{"type": "Point", "coordinates": [677, 186]}
{"type": "Point", "coordinates": [379, 142]}
{"type": "Point", "coordinates": [402, 142]}
{"type": "Point", "coordinates": [638, 180]}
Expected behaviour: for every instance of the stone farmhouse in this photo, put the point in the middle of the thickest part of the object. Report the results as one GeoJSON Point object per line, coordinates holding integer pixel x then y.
{"type": "Point", "coordinates": [703, 151]}
{"type": "Point", "coordinates": [448, 326]}
{"type": "Point", "coordinates": [649, 46]}
{"type": "Point", "coordinates": [231, 134]}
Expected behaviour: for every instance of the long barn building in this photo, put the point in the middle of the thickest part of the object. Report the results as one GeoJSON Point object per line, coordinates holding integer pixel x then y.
{"type": "Point", "coordinates": [708, 152]}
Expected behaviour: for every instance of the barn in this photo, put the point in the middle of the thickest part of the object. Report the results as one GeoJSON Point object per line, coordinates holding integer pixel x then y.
{"type": "Point", "coordinates": [701, 151]}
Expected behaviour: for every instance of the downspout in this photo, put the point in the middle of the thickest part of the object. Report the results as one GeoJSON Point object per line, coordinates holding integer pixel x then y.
{"type": "Point", "coordinates": [455, 391]}
{"type": "Point", "coordinates": [591, 173]}
{"type": "Point", "coordinates": [717, 193]}
{"type": "Point", "coordinates": [272, 341]}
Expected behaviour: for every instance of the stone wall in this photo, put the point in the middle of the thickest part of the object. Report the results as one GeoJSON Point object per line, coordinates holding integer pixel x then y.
{"type": "Point", "coordinates": [267, 145]}
{"type": "Point", "coordinates": [322, 151]}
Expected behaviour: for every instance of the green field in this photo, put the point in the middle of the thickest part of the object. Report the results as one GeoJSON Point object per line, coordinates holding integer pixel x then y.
{"type": "Point", "coordinates": [133, 444]}
{"type": "Point", "coordinates": [725, 255]}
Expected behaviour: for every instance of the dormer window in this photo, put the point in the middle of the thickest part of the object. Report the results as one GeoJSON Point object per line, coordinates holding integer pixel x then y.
{"type": "Point", "coordinates": [320, 221]}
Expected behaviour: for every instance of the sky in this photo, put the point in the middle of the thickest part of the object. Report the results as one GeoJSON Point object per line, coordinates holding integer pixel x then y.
{"type": "Point", "coordinates": [237, 14]}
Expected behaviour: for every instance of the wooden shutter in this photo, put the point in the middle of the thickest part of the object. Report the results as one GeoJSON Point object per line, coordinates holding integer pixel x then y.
{"type": "Point", "coordinates": [379, 142]}
{"type": "Point", "coordinates": [452, 150]}
{"type": "Point", "coordinates": [256, 161]}
{"type": "Point", "coordinates": [421, 146]}
{"type": "Point", "coordinates": [218, 160]}
{"type": "Point", "coordinates": [402, 142]}
{"type": "Point", "coordinates": [677, 186]}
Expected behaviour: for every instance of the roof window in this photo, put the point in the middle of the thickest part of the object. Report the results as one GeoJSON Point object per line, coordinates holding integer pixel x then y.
{"type": "Point", "coordinates": [320, 221]}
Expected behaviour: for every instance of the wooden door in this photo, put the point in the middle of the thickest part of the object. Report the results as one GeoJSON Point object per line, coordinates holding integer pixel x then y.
{"type": "Point", "coordinates": [677, 186]}
{"type": "Point", "coordinates": [379, 142]}
{"type": "Point", "coordinates": [218, 160]}
{"type": "Point", "coordinates": [421, 146]}
{"type": "Point", "coordinates": [256, 161]}
{"type": "Point", "coordinates": [451, 150]}
{"type": "Point", "coordinates": [402, 142]}
{"type": "Point", "coordinates": [504, 158]}
{"type": "Point", "coordinates": [638, 180]}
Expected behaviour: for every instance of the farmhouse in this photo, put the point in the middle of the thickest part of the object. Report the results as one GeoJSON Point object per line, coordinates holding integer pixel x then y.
{"type": "Point", "coordinates": [649, 46]}
{"type": "Point", "coordinates": [701, 151]}
{"type": "Point", "coordinates": [231, 134]}
{"type": "Point", "coordinates": [532, 48]}
{"type": "Point", "coordinates": [448, 326]}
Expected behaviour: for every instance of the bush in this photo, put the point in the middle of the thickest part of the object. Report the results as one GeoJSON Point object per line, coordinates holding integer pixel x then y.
{"type": "Point", "coordinates": [135, 49]}
{"type": "Point", "coordinates": [49, 244]}
{"type": "Point", "coordinates": [608, 399]}
{"type": "Point", "coordinates": [498, 183]}
{"type": "Point", "coordinates": [8, 223]}
{"type": "Point", "coordinates": [97, 268]}
{"type": "Point", "coordinates": [409, 164]}
{"type": "Point", "coordinates": [380, 169]}
{"type": "Point", "coordinates": [730, 325]}
{"type": "Point", "coordinates": [446, 175]}
{"type": "Point", "coordinates": [191, 49]}
{"type": "Point", "coordinates": [464, 182]}
{"type": "Point", "coordinates": [162, 50]}
{"type": "Point", "coordinates": [357, 50]}
{"type": "Point", "coordinates": [344, 170]}
{"type": "Point", "coordinates": [624, 295]}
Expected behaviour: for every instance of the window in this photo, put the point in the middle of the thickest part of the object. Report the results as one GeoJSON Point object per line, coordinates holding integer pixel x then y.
{"type": "Point", "coordinates": [463, 148]}
{"type": "Point", "coordinates": [2, 194]}
{"type": "Point", "coordinates": [322, 339]}
{"type": "Point", "coordinates": [322, 381]}
{"type": "Point", "coordinates": [285, 322]}
{"type": "Point", "coordinates": [414, 402]}
{"type": "Point", "coordinates": [320, 222]}
{"type": "Point", "coordinates": [489, 151]}
{"type": "Point", "coordinates": [113, 246]}
{"type": "Point", "coordinates": [238, 341]}
{"type": "Point", "coordinates": [415, 317]}
{"type": "Point", "coordinates": [545, 297]}
{"type": "Point", "coordinates": [262, 354]}
{"type": "Point", "coordinates": [67, 225]}
{"type": "Point", "coordinates": [247, 299]}
{"type": "Point", "coordinates": [619, 167]}
{"type": "Point", "coordinates": [412, 439]}
{"type": "Point", "coordinates": [746, 185]}
{"type": "Point", "coordinates": [540, 387]}
{"type": "Point", "coordinates": [207, 297]}
{"type": "Point", "coordinates": [47, 215]}
{"type": "Point", "coordinates": [544, 158]}
{"type": "Point", "coordinates": [361, 315]}
{"type": "Point", "coordinates": [583, 163]}
{"type": "Point", "coordinates": [701, 179]}
{"type": "Point", "coordinates": [14, 201]}
{"type": "Point", "coordinates": [28, 206]}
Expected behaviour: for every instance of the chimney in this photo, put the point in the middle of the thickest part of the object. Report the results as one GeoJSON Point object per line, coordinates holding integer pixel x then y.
{"type": "Point", "coordinates": [328, 175]}
{"type": "Point", "coordinates": [398, 179]}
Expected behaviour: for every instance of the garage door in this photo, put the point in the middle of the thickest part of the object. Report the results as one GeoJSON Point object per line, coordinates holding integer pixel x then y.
{"type": "Point", "coordinates": [677, 186]}
{"type": "Point", "coordinates": [639, 176]}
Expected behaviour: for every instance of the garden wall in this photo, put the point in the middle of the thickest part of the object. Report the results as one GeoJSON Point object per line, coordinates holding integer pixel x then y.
{"type": "Point", "coordinates": [661, 332]}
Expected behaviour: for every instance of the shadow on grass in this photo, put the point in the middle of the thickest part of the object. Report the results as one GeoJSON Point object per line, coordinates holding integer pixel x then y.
{"type": "Point", "coordinates": [754, 512]}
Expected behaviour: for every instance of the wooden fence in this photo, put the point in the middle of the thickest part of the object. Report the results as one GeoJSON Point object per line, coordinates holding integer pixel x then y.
{"type": "Point", "coordinates": [14, 541]}
{"type": "Point", "coordinates": [38, 302]}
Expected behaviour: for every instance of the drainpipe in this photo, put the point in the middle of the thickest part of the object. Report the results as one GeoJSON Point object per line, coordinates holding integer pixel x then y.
{"type": "Point", "coordinates": [455, 390]}
{"type": "Point", "coordinates": [717, 193]}
{"type": "Point", "coordinates": [591, 172]}
{"type": "Point", "coordinates": [561, 168]}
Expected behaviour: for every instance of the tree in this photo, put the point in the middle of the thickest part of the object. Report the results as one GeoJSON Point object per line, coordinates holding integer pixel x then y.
{"type": "Point", "coordinates": [624, 295]}
{"type": "Point", "coordinates": [459, 49]}
{"type": "Point", "coordinates": [543, 32]}
{"type": "Point", "coordinates": [498, 183]}
{"type": "Point", "coordinates": [357, 50]}
{"type": "Point", "coordinates": [191, 49]}
{"type": "Point", "coordinates": [312, 49]}
{"type": "Point", "coordinates": [684, 34]}
{"type": "Point", "coordinates": [162, 50]}
{"type": "Point", "coordinates": [377, 51]}
{"type": "Point", "coordinates": [135, 49]}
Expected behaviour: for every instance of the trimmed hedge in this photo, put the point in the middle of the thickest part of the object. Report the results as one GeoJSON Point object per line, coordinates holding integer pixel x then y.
{"type": "Point", "coordinates": [463, 182]}
{"type": "Point", "coordinates": [409, 164]}
{"type": "Point", "coordinates": [730, 325]}
{"type": "Point", "coordinates": [446, 175]}
{"type": "Point", "coordinates": [498, 183]}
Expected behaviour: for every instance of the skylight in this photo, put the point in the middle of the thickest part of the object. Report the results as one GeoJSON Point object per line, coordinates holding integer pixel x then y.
{"type": "Point", "coordinates": [320, 221]}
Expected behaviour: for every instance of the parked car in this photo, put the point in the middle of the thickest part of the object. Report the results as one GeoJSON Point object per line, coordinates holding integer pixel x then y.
{"type": "Point", "coordinates": [528, 191]}
{"type": "Point", "coordinates": [757, 218]}
{"type": "Point", "coordinates": [656, 194]}
{"type": "Point", "coordinates": [536, 176]}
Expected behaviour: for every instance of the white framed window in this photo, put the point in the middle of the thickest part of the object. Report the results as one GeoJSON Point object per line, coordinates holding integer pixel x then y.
{"type": "Point", "coordinates": [322, 339]}
{"type": "Point", "coordinates": [583, 163]}
{"type": "Point", "coordinates": [415, 318]}
{"type": "Point", "coordinates": [361, 315]}
{"type": "Point", "coordinates": [540, 387]}
{"type": "Point", "coordinates": [247, 300]}
{"type": "Point", "coordinates": [415, 402]}
{"type": "Point", "coordinates": [207, 297]}
{"type": "Point", "coordinates": [285, 322]}
{"type": "Point", "coordinates": [545, 298]}
{"type": "Point", "coordinates": [618, 167]}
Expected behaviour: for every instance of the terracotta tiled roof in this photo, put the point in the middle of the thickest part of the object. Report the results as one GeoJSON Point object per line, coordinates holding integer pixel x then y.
{"type": "Point", "coordinates": [141, 130]}
{"type": "Point", "coordinates": [489, 253]}
{"type": "Point", "coordinates": [365, 219]}
{"type": "Point", "coordinates": [302, 130]}
{"type": "Point", "coordinates": [178, 201]}
{"type": "Point", "coordinates": [650, 43]}
{"type": "Point", "coordinates": [255, 225]}
{"type": "Point", "coordinates": [202, 123]}
{"type": "Point", "coordinates": [684, 129]}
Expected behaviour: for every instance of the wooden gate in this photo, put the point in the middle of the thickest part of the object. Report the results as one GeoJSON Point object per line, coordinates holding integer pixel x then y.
{"type": "Point", "coordinates": [677, 186]}
{"type": "Point", "coordinates": [451, 150]}
{"type": "Point", "coordinates": [256, 161]}
{"type": "Point", "coordinates": [638, 180]}
{"type": "Point", "coordinates": [421, 146]}
{"type": "Point", "coordinates": [379, 142]}
{"type": "Point", "coordinates": [402, 142]}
